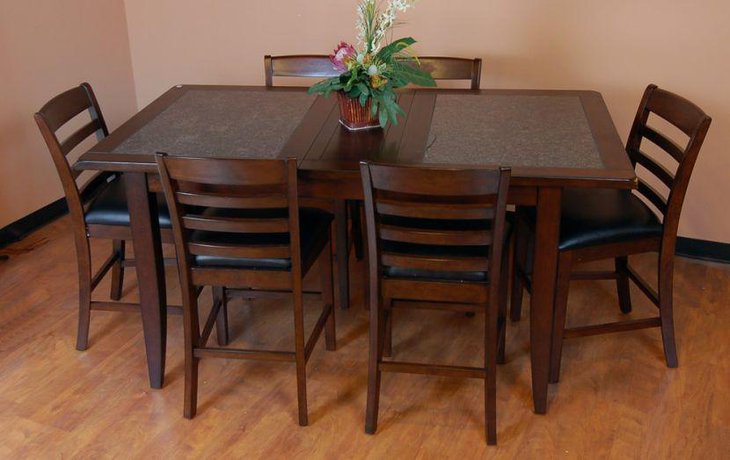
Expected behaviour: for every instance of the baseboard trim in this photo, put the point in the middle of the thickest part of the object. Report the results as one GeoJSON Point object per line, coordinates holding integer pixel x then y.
{"type": "Point", "coordinates": [22, 227]}
{"type": "Point", "coordinates": [703, 249]}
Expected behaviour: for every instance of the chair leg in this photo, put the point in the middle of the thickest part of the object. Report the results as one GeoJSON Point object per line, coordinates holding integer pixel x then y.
{"type": "Point", "coordinates": [328, 297]}
{"type": "Point", "coordinates": [519, 265]}
{"type": "Point", "coordinates": [502, 312]}
{"type": "Point", "coordinates": [375, 354]}
{"type": "Point", "coordinates": [301, 361]}
{"type": "Point", "coordinates": [622, 284]}
{"type": "Point", "coordinates": [191, 329]}
{"type": "Point", "coordinates": [357, 234]}
{"type": "Point", "coordinates": [118, 246]}
{"type": "Point", "coordinates": [221, 323]}
{"type": "Point", "coordinates": [83, 255]}
{"type": "Point", "coordinates": [560, 310]}
{"type": "Point", "coordinates": [666, 307]}
{"type": "Point", "coordinates": [388, 328]}
{"type": "Point", "coordinates": [491, 338]}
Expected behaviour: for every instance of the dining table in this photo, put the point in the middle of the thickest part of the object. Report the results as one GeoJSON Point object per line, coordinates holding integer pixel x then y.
{"type": "Point", "coordinates": [552, 139]}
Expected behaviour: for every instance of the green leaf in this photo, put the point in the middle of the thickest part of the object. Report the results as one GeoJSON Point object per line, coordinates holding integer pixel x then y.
{"type": "Point", "coordinates": [411, 74]}
{"type": "Point", "coordinates": [325, 86]}
{"type": "Point", "coordinates": [383, 116]}
{"type": "Point", "coordinates": [394, 47]}
{"type": "Point", "coordinates": [363, 99]}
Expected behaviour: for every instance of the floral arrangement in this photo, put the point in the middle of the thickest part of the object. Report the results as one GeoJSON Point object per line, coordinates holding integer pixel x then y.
{"type": "Point", "coordinates": [371, 72]}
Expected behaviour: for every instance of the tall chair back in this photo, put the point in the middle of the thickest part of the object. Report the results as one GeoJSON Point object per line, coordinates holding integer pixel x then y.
{"type": "Point", "coordinates": [50, 119]}
{"type": "Point", "coordinates": [690, 120]}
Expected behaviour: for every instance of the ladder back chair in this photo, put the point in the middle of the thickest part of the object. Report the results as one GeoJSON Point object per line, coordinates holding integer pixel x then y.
{"type": "Point", "coordinates": [611, 224]}
{"type": "Point", "coordinates": [237, 223]}
{"type": "Point", "coordinates": [435, 240]}
{"type": "Point", "coordinates": [97, 208]}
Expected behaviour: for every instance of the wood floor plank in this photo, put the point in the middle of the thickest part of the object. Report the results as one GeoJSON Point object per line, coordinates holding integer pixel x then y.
{"type": "Point", "coordinates": [616, 398]}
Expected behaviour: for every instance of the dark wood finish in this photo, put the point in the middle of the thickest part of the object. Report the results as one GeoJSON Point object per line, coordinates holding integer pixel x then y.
{"type": "Point", "coordinates": [692, 121]}
{"type": "Point", "coordinates": [234, 184]}
{"type": "Point", "coordinates": [329, 161]}
{"type": "Point", "coordinates": [441, 196]}
{"type": "Point", "coordinates": [50, 118]}
{"type": "Point", "coordinates": [453, 68]}
{"type": "Point", "coordinates": [298, 65]}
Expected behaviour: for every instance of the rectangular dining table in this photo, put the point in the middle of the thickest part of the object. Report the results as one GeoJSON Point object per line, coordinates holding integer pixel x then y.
{"type": "Point", "coordinates": [552, 139]}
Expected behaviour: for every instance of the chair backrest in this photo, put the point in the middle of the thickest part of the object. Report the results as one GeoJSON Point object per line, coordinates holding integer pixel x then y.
{"type": "Point", "coordinates": [435, 206]}
{"type": "Point", "coordinates": [687, 118]}
{"type": "Point", "coordinates": [237, 199]}
{"type": "Point", "coordinates": [320, 66]}
{"type": "Point", "coordinates": [453, 68]}
{"type": "Point", "coordinates": [298, 65]}
{"type": "Point", "coordinates": [52, 117]}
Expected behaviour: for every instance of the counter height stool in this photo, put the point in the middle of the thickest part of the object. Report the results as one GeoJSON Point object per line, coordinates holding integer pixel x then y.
{"type": "Point", "coordinates": [98, 208]}
{"type": "Point", "coordinates": [613, 224]}
{"type": "Point", "coordinates": [237, 224]}
{"type": "Point", "coordinates": [435, 240]}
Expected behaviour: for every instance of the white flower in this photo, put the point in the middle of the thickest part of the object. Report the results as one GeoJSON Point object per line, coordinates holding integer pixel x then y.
{"type": "Point", "coordinates": [372, 24]}
{"type": "Point", "coordinates": [373, 70]}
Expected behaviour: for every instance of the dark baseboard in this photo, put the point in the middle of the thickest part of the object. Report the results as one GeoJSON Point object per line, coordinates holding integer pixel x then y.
{"type": "Point", "coordinates": [703, 249]}
{"type": "Point", "coordinates": [19, 229]}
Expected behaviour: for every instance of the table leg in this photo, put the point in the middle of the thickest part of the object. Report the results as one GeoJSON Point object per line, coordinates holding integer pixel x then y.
{"type": "Point", "coordinates": [342, 254]}
{"type": "Point", "coordinates": [544, 271]}
{"type": "Point", "coordinates": [150, 272]}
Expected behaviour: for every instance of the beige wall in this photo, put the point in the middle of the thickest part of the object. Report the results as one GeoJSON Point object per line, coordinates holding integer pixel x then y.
{"type": "Point", "coordinates": [47, 46]}
{"type": "Point", "coordinates": [616, 47]}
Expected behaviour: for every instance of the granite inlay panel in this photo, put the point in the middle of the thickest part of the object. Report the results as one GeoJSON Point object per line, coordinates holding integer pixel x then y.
{"type": "Point", "coordinates": [242, 124]}
{"type": "Point", "coordinates": [506, 130]}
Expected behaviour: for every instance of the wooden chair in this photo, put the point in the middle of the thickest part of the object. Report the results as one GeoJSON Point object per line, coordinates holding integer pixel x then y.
{"type": "Point", "coordinates": [602, 224]}
{"type": "Point", "coordinates": [98, 208]}
{"type": "Point", "coordinates": [237, 223]}
{"type": "Point", "coordinates": [298, 65]}
{"type": "Point", "coordinates": [453, 68]}
{"type": "Point", "coordinates": [435, 240]}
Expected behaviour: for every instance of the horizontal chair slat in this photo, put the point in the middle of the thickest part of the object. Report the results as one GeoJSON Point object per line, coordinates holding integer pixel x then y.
{"type": "Point", "coordinates": [653, 196]}
{"type": "Point", "coordinates": [215, 200]}
{"type": "Point", "coordinates": [79, 135]}
{"type": "Point", "coordinates": [232, 224]}
{"type": "Point", "coordinates": [606, 328]}
{"type": "Point", "coordinates": [65, 106]}
{"type": "Point", "coordinates": [464, 264]}
{"type": "Point", "coordinates": [433, 210]}
{"type": "Point", "coordinates": [433, 369]}
{"type": "Point", "coordinates": [249, 251]}
{"type": "Point", "coordinates": [664, 142]}
{"type": "Point", "coordinates": [436, 291]}
{"type": "Point", "coordinates": [439, 237]}
{"type": "Point", "coordinates": [239, 353]}
{"type": "Point", "coordinates": [227, 172]}
{"type": "Point", "coordinates": [653, 167]}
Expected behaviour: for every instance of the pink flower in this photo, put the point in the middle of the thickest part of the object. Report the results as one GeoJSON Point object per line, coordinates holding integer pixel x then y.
{"type": "Point", "coordinates": [343, 53]}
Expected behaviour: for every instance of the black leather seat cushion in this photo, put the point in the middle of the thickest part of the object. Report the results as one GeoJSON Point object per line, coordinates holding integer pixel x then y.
{"type": "Point", "coordinates": [436, 250]}
{"type": "Point", "coordinates": [109, 207]}
{"type": "Point", "coordinates": [313, 226]}
{"type": "Point", "coordinates": [599, 216]}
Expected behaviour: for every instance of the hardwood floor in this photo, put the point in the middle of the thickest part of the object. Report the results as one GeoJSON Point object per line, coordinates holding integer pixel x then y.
{"type": "Point", "coordinates": [616, 397]}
